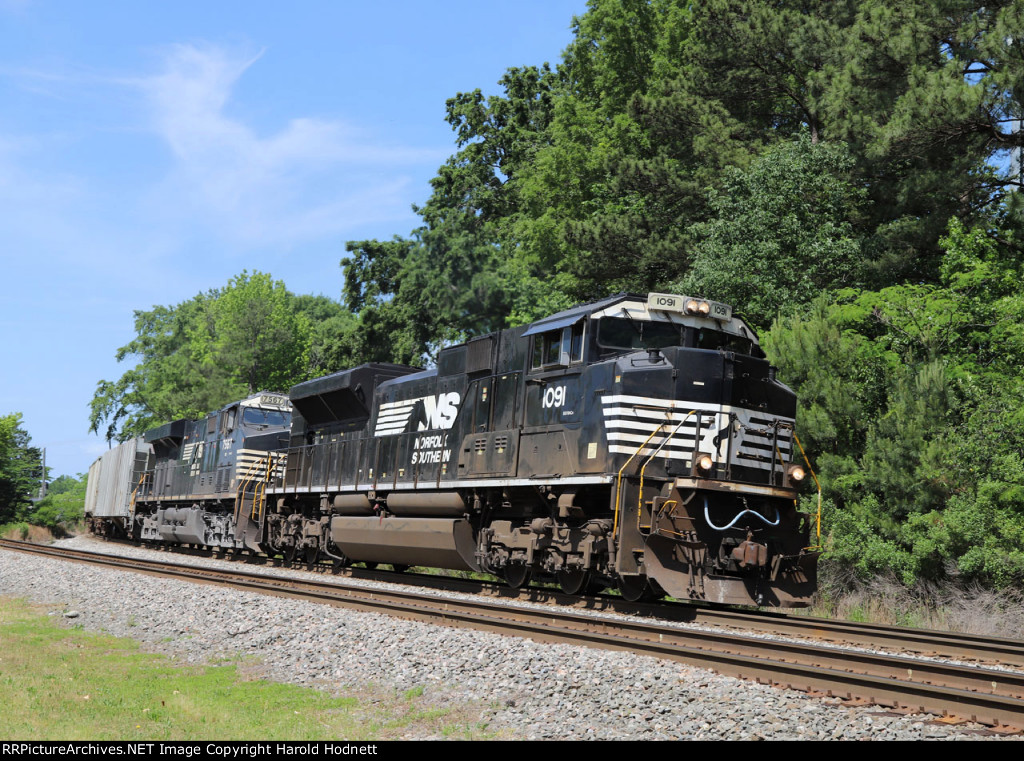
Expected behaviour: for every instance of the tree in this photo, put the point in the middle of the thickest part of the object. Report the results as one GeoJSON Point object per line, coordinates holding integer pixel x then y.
{"type": "Point", "coordinates": [613, 189]}
{"type": "Point", "coordinates": [215, 348]}
{"type": "Point", "coordinates": [922, 92]}
{"type": "Point", "coordinates": [912, 405]}
{"type": "Point", "coordinates": [21, 470]}
{"type": "Point", "coordinates": [63, 506]}
{"type": "Point", "coordinates": [173, 376]}
{"type": "Point", "coordinates": [452, 277]}
{"type": "Point", "coordinates": [782, 231]}
{"type": "Point", "coordinates": [601, 174]}
{"type": "Point", "coordinates": [260, 339]}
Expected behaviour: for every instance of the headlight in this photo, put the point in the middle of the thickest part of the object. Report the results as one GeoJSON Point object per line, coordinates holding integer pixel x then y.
{"type": "Point", "coordinates": [796, 473]}
{"type": "Point", "coordinates": [705, 462]}
{"type": "Point", "coordinates": [693, 306]}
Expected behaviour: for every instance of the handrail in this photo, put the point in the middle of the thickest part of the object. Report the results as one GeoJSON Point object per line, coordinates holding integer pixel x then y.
{"type": "Point", "coordinates": [260, 493]}
{"type": "Point", "coordinates": [135, 493]}
{"type": "Point", "coordinates": [618, 481]}
{"type": "Point", "coordinates": [775, 451]}
{"type": "Point", "coordinates": [253, 475]}
{"type": "Point", "coordinates": [816, 483]}
{"type": "Point", "coordinates": [640, 496]}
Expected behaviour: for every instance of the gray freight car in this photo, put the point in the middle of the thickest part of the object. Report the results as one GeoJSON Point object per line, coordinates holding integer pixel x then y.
{"type": "Point", "coordinates": [113, 479]}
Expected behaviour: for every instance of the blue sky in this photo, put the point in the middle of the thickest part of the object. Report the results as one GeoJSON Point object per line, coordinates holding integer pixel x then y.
{"type": "Point", "coordinates": [150, 151]}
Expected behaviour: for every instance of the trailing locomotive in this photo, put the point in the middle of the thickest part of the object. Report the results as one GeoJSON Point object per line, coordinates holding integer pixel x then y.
{"type": "Point", "coordinates": [640, 443]}
{"type": "Point", "coordinates": [185, 482]}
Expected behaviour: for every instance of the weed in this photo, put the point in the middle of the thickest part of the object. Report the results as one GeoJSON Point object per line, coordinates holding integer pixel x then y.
{"type": "Point", "coordinates": [970, 609]}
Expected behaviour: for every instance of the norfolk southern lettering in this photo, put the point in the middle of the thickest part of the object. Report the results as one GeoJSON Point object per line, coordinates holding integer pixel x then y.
{"type": "Point", "coordinates": [637, 442]}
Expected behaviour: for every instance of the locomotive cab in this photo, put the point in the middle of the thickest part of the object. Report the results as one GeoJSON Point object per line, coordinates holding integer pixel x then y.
{"type": "Point", "coordinates": [670, 401]}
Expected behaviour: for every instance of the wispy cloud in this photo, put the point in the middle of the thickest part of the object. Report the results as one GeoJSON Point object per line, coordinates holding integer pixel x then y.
{"type": "Point", "coordinates": [311, 178]}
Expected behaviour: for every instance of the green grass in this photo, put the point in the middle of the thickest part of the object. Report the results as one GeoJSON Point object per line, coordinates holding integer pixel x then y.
{"type": "Point", "coordinates": [17, 531]}
{"type": "Point", "coordinates": [61, 683]}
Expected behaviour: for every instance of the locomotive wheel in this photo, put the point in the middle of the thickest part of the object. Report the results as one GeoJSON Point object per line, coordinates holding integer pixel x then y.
{"type": "Point", "coordinates": [517, 575]}
{"type": "Point", "coordinates": [288, 554]}
{"type": "Point", "coordinates": [312, 553]}
{"type": "Point", "coordinates": [399, 567]}
{"type": "Point", "coordinates": [370, 565]}
{"type": "Point", "coordinates": [573, 580]}
{"type": "Point", "coordinates": [634, 588]}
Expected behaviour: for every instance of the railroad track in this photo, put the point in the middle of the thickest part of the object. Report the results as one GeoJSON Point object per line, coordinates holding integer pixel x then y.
{"type": "Point", "coordinates": [968, 648]}
{"type": "Point", "coordinates": [968, 692]}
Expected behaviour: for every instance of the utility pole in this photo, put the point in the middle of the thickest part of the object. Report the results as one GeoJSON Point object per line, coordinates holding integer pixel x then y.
{"type": "Point", "coordinates": [42, 478]}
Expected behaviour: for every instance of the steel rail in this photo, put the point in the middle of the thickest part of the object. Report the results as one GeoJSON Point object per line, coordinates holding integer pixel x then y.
{"type": "Point", "coordinates": [970, 648]}
{"type": "Point", "coordinates": [988, 696]}
{"type": "Point", "coordinates": [973, 648]}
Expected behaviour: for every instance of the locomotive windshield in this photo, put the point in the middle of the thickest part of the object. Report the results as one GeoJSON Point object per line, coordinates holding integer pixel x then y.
{"type": "Point", "coordinates": [704, 338]}
{"type": "Point", "coordinates": [632, 335]}
{"type": "Point", "coordinates": [623, 333]}
{"type": "Point", "coordinates": [256, 416]}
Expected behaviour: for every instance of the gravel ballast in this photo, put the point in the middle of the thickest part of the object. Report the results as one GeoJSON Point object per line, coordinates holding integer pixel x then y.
{"type": "Point", "coordinates": [519, 688]}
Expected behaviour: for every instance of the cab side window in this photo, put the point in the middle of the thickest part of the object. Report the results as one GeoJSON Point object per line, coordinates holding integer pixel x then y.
{"type": "Point", "coordinates": [547, 348]}
{"type": "Point", "coordinates": [576, 342]}
{"type": "Point", "coordinates": [558, 348]}
{"type": "Point", "coordinates": [227, 422]}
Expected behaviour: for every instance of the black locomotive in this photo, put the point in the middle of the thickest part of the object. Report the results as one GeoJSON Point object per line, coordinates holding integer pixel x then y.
{"type": "Point", "coordinates": [636, 442]}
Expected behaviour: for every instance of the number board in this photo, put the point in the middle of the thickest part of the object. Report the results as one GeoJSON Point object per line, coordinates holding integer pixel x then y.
{"type": "Point", "coordinates": [668, 302]}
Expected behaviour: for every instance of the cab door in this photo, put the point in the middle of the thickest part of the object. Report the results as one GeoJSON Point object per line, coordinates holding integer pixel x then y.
{"type": "Point", "coordinates": [554, 405]}
{"type": "Point", "coordinates": [491, 448]}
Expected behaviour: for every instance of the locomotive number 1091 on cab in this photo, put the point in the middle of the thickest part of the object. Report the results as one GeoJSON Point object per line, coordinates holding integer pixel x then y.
{"type": "Point", "coordinates": [642, 443]}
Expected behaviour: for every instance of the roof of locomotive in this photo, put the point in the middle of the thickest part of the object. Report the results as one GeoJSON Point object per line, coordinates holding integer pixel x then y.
{"type": "Point", "coordinates": [344, 379]}
{"type": "Point", "coordinates": [345, 395]}
{"type": "Point", "coordinates": [581, 310]}
{"type": "Point", "coordinates": [635, 306]}
{"type": "Point", "coordinates": [631, 305]}
{"type": "Point", "coordinates": [176, 429]}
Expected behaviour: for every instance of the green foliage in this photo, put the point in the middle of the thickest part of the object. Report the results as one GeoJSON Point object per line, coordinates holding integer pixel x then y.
{"type": "Point", "coordinates": [619, 180]}
{"type": "Point", "coordinates": [20, 468]}
{"type": "Point", "coordinates": [220, 346]}
{"type": "Point", "coordinates": [63, 484]}
{"type": "Point", "coordinates": [660, 151]}
{"type": "Point", "coordinates": [62, 507]}
{"type": "Point", "coordinates": [912, 403]}
{"type": "Point", "coordinates": [449, 279]}
{"type": "Point", "coordinates": [839, 374]}
{"type": "Point", "coordinates": [260, 338]}
{"type": "Point", "coordinates": [920, 91]}
{"type": "Point", "coordinates": [781, 231]}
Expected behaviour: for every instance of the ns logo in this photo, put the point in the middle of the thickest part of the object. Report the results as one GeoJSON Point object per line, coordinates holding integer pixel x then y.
{"type": "Point", "coordinates": [440, 411]}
